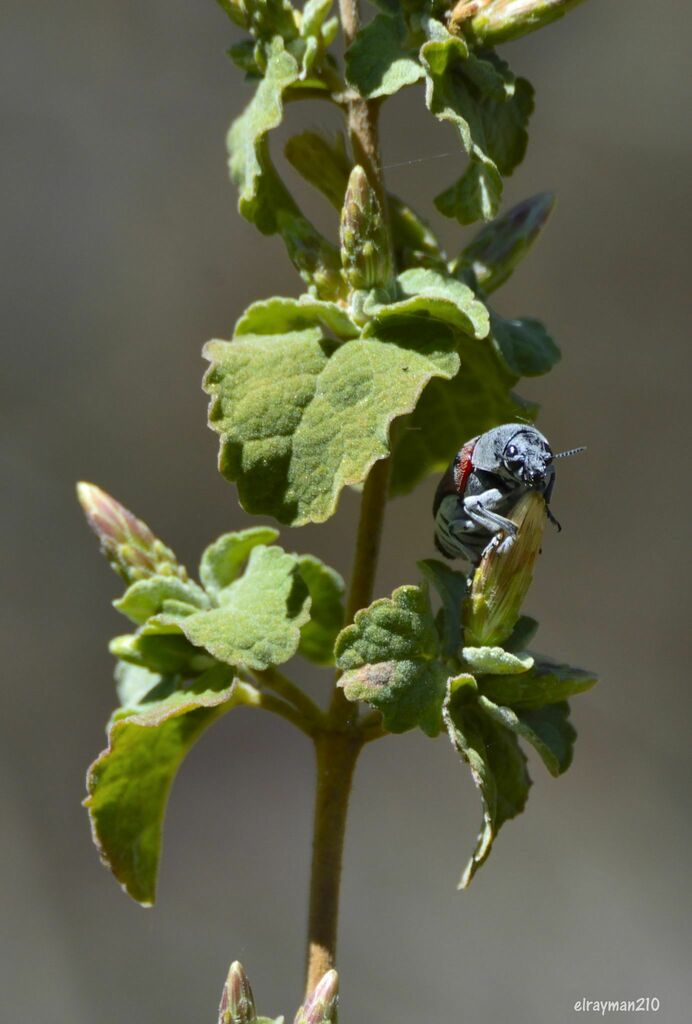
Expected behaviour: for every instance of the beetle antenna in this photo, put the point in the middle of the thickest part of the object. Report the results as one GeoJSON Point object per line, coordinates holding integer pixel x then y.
{"type": "Point", "coordinates": [570, 451]}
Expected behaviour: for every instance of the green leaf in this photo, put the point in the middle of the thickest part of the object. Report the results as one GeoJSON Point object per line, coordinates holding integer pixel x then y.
{"type": "Point", "coordinates": [452, 587]}
{"type": "Point", "coordinates": [484, 660]}
{"type": "Point", "coordinates": [133, 683]}
{"type": "Point", "coordinates": [428, 294]}
{"type": "Point", "coordinates": [157, 594]}
{"type": "Point", "coordinates": [524, 345]}
{"type": "Point", "coordinates": [450, 412]}
{"type": "Point", "coordinates": [489, 108]}
{"type": "Point", "coordinates": [299, 420]}
{"type": "Point", "coordinates": [263, 198]}
{"type": "Point", "coordinates": [389, 657]}
{"type": "Point", "coordinates": [547, 729]}
{"type": "Point", "coordinates": [283, 315]}
{"type": "Point", "coordinates": [500, 246]}
{"type": "Point", "coordinates": [160, 649]}
{"type": "Point", "coordinates": [498, 767]}
{"type": "Point", "coordinates": [546, 683]}
{"type": "Point", "coordinates": [326, 589]}
{"type": "Point", "coordinates": [522, 634]}
{"type": "Point", "coordinates": [258, 620]}
{"type": "Point", "coordinates": [128, 785]}
{"type": "Point", "coordinates": [381, 59]}
{"type": "Point", "coordinates": [414, 243]}
{"type": "Point", "coordinates": [223, 561]}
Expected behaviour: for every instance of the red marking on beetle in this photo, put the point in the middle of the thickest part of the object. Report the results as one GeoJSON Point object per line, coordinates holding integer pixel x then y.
{"type": "Point", "coordinates": [463, 465]}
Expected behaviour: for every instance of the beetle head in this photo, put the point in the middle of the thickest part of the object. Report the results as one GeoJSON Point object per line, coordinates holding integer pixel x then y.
{"type": "Point", "coordinates": [527, 458]}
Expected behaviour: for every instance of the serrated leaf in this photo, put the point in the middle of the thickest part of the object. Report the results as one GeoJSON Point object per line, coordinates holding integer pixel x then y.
{"type": "Point", "coordinates": [381, 59]}
{"type": "Point", "coordinates": [157, 594]}
{"type": "Point", "coordinates": [425, 294]}
{"type": "Point", "coordinates": [299, 420]}
{"type": "Point", "coordinates": [128, 785]}
{"type": "Point", "coordinates": [524, 345]}
{"type": "Point", "coordinates": [389, 657]}
{"type": "Point", "coordinates": [498, 767]}
{"type": "Point", "coordinates": [500, 246]}
{"type": "Point", "coordinates": [489, 108]}
{"type": "Point", "coordinates": [450, 412]}
{"type": "Point", "coordinates": [259, 617]}
{"type": "Point", "coordinates": [547, 729]}
{"type": "Point", "coordinates": [222, 562]}
{"type": "Point", "coordinates": [285, 315]}
{"type": "Point", "coordinates": [546, 683]}
{"type": "Point", "coordinates": [452, 588]}
{"type": "Point", "coordinates": [484, 660]}
{"type": "Point", "coordinates": [326, 589]}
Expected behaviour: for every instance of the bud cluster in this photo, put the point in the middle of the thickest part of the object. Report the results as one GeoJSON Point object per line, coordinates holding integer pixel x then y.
{"type": "Point", "coordinates": [365, 254]}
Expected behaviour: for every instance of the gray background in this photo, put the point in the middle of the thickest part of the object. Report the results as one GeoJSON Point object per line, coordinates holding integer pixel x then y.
{"type": "Point", "coordinates": [122, 253]}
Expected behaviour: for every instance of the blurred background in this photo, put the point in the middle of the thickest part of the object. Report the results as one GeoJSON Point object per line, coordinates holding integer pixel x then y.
{"type": "Point", "coordinates": [122, 254]}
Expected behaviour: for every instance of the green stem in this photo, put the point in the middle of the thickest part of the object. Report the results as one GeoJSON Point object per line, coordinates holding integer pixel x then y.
{"type": "Point", "coordinates": [336, 759]}
{"type": "Point", "coordinates": [291, 692]}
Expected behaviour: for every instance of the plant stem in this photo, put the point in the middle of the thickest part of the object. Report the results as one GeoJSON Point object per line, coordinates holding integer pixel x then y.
{"type": "Point", "coordinates": [291, 692]}
{"type": "Point", "coordinates": [338, 745]}
{"type": "Point", "coordinates": [336, 758]}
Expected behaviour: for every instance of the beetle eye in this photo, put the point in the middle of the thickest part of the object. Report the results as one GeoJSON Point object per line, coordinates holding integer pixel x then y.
{"type": "Point", "coordinates": [512, 451]}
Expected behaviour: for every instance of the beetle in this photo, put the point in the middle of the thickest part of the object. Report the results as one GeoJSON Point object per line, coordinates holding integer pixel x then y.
{"type": "Point", "coordinates": [488, 476]}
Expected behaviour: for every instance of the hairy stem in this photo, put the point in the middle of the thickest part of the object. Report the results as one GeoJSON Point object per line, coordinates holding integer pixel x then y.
{"type": "Point", "coordinates": [336, 759]}
{"type": "Point", "coordinates": [291, 692]}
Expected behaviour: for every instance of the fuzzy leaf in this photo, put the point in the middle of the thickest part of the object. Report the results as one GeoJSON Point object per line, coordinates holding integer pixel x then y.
{"type": "Point", "coordinates": [128, 785]}
{"type": "Point", "coordinates": [490, 110]}
{"type": "Point", "coordinates": [223, 561]}
{"type": "Point", "coordinates": [522, 634]}
{"type": "Point", "coordinates": [326, 589]}
{"type": "Point", "coordinates": [427, 294]}
{"type": "Point", "coordinates": [133, 683]}
{"type": "Point", "coordinates": [381, 60]}
{"type": "Point", "coordinates": [484, 660]}
{"type": "Point", "coordinates": [390, 659]}
{"type": "Point", "coordinates": [546, 683]}
{"type": "Point", "coordinates": [500, 246]}
{"type": "Point", "coordinates": [498, 767]}
{"type": "Point", "coordinates": [158, 594]}
{"type": "Point", "coordinates": [524, 345]}
{"type": "Point", "coordinates": [547, 729]}
{"type": "Point", "coordinates": [452, 588]}
{"type": "Point", "coordinates": [284, 315]}
{"type": "Point", "coordinates": [299, 420]}
{"type": "Point", "coordinates": [449, 412]}
{"type": "Point", "coordinates": [258, 620]}
{"type": "Point", "coordinates": [263, 198]}
{"type": "Point", "coordinates": [160, 649]}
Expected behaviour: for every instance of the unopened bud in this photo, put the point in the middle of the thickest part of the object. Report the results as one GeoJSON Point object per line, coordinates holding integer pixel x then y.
{"type": "Point", "coordinates": [501, 245]}
{"type": "Point", "coordinates": [501, 581]}
{"type": "Point", "coordinates": [365, 254]}
{"type": "Point", "coordinates": [128, 543]}
{"type": "Point", "coordinates": [315, 259]}
{"type": "Point", "coordinates": [321, 1005]}
{"type": "Point", "coordinates": [237, 1002]}
{"type": "Point", "coordinates": [501, 20]}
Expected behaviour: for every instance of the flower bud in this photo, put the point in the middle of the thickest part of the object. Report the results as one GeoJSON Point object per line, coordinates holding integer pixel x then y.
{"type": "Point", "coordinates": [321, 1005]}
{"type": "Point", "coordinates": [501, 20]}
{"type": "Point", "coordinates": [365, 254]}
{"type": "Point", "coordinates": [501, 245]}
{"type": "Point", "coordinates": [237, 1002]}
{"type": "Point", "coordinates": [128, 543]}
{"type": "Point", "coordinates": [501, 581]}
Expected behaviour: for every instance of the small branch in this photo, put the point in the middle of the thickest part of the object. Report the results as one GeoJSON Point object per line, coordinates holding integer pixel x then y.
{"type": "Point", "coordinates": [279, 707]}
{"type": "Point", "coordinates": [292, 693]}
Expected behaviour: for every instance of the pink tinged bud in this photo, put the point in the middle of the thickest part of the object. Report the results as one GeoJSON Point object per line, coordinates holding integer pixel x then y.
{"type": "Point", "coordinates": [321, 1005]}
{"type": "Point", "coordinates": [237, 1002]}
{"type": "Point", "coordinates": [502, 20]}
{"type": "Point", "coordinates": [502, 580]}
{"type": "Point", "coordinates": [128, 543]}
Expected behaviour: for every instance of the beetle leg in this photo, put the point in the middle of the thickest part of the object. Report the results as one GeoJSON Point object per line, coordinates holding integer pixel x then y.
{"type": "Point", "coordinates": [479, 508]}
{"type": "Point", "coordinates": [547, 494]}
